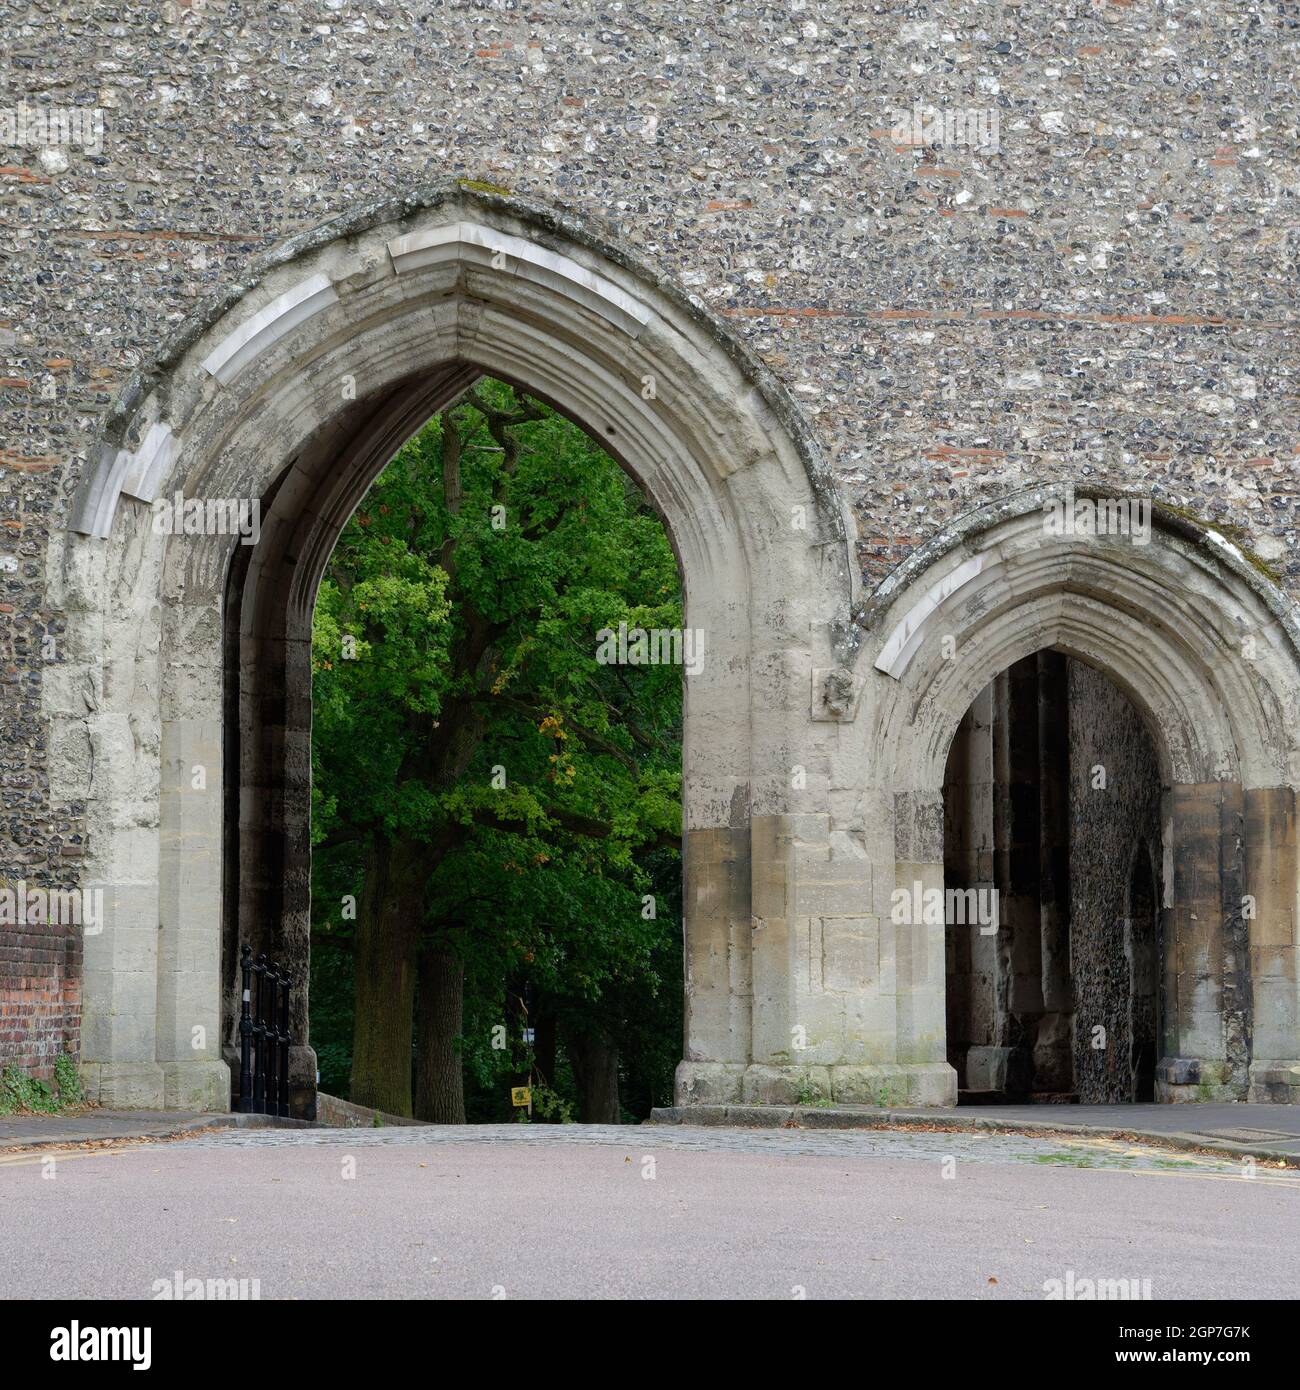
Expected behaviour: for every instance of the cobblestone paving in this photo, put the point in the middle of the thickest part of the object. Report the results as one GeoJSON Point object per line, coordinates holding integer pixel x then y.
{"type": "Point", "coordinates": [894, 1144]}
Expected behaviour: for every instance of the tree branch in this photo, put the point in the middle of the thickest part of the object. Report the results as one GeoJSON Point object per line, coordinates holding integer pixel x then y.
{"type": "Point", "coordinates": [571, 821]}
{"type": "Point", "coordinates": [588, 736]}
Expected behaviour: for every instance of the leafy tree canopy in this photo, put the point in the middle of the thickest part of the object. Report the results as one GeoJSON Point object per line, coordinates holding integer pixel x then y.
{"type": "Point", "coordinates": [460, 708]}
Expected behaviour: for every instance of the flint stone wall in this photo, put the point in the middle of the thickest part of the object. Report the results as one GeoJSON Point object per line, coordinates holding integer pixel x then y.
{"type": "Point", "coordinates": [1107, 296]}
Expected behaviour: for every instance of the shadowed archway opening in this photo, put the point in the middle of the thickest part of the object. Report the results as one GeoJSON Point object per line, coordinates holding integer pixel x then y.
{"type": "Point", "coordinates": [1052, 815]}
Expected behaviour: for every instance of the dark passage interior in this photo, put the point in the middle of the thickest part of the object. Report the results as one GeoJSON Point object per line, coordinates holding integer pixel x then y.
{"type": "Point", "coordinates": [1052, 800]}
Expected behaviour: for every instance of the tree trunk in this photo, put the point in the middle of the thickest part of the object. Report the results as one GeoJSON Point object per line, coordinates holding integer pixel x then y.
{"type": "Point", "coordinates": [544, 1046]}
{"type": "Point", "coordinates": [517, 1020]}
{"type": "Point", "coordinates": [388, 927]}
{"type": "Point", "coordinates": [595, 1069]}
{"type": "Point", "coordinates": [440, 1081]}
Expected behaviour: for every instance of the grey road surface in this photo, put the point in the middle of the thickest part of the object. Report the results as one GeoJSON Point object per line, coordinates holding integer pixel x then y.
{"type": "Point", "coordinates": [514, 1212]}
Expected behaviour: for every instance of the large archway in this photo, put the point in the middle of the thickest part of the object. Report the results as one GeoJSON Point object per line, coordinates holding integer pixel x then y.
{"type": "Point", "coordinates": [1204, 646]}
{"type": "Point", "coordinates": [184, 715]}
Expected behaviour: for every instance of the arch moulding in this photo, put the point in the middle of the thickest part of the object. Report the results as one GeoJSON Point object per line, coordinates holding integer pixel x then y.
{"type": "Point", "coordinates": [182, 718]}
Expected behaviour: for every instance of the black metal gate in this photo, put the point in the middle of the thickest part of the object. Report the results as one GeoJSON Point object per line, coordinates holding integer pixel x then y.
{"type": "Point", "coordinates": [264, 1037]}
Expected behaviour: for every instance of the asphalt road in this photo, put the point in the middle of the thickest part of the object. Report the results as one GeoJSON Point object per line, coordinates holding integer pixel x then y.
{"type": "Point", "coordinates": [581, 1212]}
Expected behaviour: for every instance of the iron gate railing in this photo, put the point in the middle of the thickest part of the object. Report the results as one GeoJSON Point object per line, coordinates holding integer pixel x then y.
{"type": "Point", "coordinates": [264, 1037]}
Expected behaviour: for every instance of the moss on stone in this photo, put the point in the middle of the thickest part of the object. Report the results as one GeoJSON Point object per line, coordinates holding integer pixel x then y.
{"type": "Point", "coordinates": [1238, 535]}
{"type": "Point", "coordinates": [476, 186]}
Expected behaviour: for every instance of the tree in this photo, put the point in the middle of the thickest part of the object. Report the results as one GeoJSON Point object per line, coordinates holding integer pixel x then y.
{"type": "Point", "coordinates": [497, 787]}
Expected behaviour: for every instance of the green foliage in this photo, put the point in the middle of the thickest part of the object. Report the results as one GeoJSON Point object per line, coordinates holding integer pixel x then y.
{"type": "Point", "coordinates": [20, 1092]}
{"type": "Point", "coordinates": [331, 1000]}
{"type": "Point", "coordinates": [550, 1105]}
{"type": "Point", "coordinates": [806, 1093]}
{"type": "Point", "coordinates": [68, 1081]}
{"type": "Point", "coordinates": [459, 704]}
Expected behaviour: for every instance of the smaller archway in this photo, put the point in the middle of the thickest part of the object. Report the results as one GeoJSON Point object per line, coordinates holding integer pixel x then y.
{"type": "Point", "coordinates": [1195, 635]}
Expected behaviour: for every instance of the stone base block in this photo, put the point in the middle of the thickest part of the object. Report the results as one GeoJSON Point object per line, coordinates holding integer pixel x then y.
{"type": "Point", "coordinates": [708, 1083]}
{"type": "Point", "coordinates": [1186, 1080]}
{"type": "Point", "coordinates": [1274, 1083]}
{"type": "Point", "coordinates": [124, 1085]}
{"type": "Point", "coordinates": [1051, 1060]}
{"type": "Point", "coordinates": [203, 1084]}
{"type": "Point", "coordinates": [303, 1080]}
{"type": "Point", "coordinates": [987, 1068]}
{"type": "Point", "coordinates": [895, 1083]}
{"type": "Point", "coordinates": [760, 1083]}
{"type": "Point", "coordinates": [768, 1085]}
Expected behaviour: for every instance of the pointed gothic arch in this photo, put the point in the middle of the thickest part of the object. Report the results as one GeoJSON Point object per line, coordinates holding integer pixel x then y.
{"type": "Point", "coordinates": [192, 652]}
{"type": "Point", "coordinates": [1208, 650]}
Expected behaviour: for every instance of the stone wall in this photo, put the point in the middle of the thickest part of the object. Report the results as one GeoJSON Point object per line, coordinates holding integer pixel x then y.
{"type": "Point", "coordinates": [1115, 834]}
{"type": "Point", "coordinates": [1104, 296]}
{"type": "Point", "coordinates": [40, 840]}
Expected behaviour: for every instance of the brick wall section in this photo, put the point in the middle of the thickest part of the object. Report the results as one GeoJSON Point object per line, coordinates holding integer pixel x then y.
{"type": "Point", "coordinates": [40, 996]}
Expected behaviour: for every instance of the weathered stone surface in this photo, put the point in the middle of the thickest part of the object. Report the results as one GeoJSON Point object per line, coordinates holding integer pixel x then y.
{"type": "Point", "coordinates": [790, 1085]}
{"type": "Point", "coordinates": [878, 354]}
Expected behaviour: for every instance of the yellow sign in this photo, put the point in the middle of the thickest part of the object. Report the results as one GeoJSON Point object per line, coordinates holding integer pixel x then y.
{"type": "Point", "coordinates": [521, 1095]}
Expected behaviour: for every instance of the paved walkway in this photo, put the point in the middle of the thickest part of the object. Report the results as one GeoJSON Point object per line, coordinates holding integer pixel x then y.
{"type": "Point", "coordinates": [980, 1146]}
{"type": "Point", "coordinates": [651, 1211]}
{"type": "Point", "coordinates": [1270, 1131]}
{"type": "Point", "coordinates": [1278, 1126]}
{"type": "Point", "coordinates": [1265, 1130]}
{"type": "Point", "coordinates": [22, 1131]}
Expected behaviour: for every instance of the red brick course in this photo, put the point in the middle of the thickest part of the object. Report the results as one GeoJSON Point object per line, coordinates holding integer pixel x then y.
{"type": "Point", "coordinates": [40, 996]}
